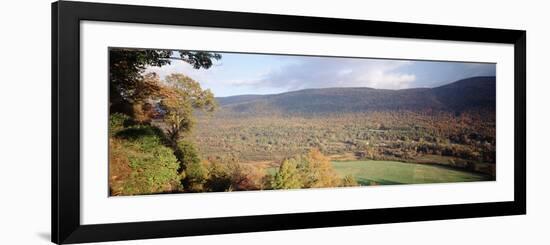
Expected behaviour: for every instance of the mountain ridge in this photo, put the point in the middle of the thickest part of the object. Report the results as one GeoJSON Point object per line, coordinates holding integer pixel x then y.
{"type": "Point", "coordinates": [464, 94]}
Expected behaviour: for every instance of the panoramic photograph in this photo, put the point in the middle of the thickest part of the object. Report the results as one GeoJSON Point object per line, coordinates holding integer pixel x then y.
{"type": "Point", "coordinates": [191, 121]}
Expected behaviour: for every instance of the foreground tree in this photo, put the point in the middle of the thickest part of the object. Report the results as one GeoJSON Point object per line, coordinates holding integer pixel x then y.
{"type": "Point", "coordinates": [143, 106]}
{"type": "Point", "coordinates": [180, 97]}
{"type": "Point", "coordinates": [127, 66]}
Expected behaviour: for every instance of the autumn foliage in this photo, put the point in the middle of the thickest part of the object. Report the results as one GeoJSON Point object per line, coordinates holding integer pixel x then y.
{"type": "Point", "coordinates": [169, 135]}
{"type": "Point", "coordinates": [310, 170]}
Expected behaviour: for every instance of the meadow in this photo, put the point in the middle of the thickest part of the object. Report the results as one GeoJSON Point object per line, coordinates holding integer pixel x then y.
{"type": "Point", "coordinates": [372, 172]}
{"type": "Point", "coordinates": [392, 172]}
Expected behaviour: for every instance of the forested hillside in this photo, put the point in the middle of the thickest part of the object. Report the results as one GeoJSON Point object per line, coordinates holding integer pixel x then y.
{"type": "Point", "coordinates": [471, 93]}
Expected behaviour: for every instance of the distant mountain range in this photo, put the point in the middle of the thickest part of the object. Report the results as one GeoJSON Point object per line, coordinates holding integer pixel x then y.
{"type": "Point", "coordinates": [470, 93]}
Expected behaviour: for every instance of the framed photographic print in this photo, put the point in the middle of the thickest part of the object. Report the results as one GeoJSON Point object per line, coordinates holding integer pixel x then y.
{"type": "Point", "coordinates": [176, 122]}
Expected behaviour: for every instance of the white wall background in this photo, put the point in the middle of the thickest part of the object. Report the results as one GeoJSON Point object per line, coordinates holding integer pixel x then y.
{"type": "Point", "coordinates": [25, 125]}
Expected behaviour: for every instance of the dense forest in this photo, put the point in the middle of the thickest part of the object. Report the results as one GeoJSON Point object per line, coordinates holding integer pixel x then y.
{"type": "Point", "coordinates": [169, 135]}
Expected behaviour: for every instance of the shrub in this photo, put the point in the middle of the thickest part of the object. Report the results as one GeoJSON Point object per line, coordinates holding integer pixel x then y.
{"type": "Point", "coordinates": [246, 177]}
{"type": "Point", "coordinates": [196, 175]}
{"type": "Point", "coordinates": [349, 180]}
{"type": "Point", "coordinates": [147, 165]}
{"type": "Point", "coordinates": [186, 154]}
{"type": "Point", "coordinates": [116, 122]}
{"type": "Point", "coordinates": [195, 172]}
{"type": "Point", "coordinates": [229, 175]}
{"type": "Point", "coordinates": [139, 132]}
{"type": "Point", "coordinates": [218, 177]}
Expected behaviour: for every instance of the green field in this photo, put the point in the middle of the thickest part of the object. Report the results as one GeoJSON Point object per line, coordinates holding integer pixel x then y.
{"type": "Point", "coordinates": [390, 172]}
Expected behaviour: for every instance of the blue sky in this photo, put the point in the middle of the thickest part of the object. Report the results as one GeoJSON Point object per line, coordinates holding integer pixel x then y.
{"type": "Point", "coordinates": [240, 73]}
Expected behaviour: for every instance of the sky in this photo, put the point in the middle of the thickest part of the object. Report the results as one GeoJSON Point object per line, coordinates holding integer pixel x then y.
{"type": "Point", "coordinates": [242, 73]}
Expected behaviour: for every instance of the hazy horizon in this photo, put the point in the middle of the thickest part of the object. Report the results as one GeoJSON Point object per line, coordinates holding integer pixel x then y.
{"type": "Point", "coordinates": [343, 87]}
{"type": "Point", "coordinates": [262, 74]}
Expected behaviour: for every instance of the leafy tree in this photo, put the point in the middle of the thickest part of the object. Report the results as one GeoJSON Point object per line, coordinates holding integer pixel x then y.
{"type": "Point", "coordinates": [179, 98]}
{"type": "Point", "coordinates": [143, 108]}
{"type": "Point", "coordinates": [288, 176]}
{"type": "Point", "coordinates": [312, 170]}
{"type": "Point", "coordinates": [126, 68]}
{"type": "Point", "coordinates": [196, 173]}
{"type": "Point", "coordinates": [187, 153]}
{"type": "Point", "coordinates": [318, 171]}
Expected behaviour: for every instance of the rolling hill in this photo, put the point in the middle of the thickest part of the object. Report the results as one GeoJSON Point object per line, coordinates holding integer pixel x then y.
{"type": "Point", "coordinates": [470, 93]}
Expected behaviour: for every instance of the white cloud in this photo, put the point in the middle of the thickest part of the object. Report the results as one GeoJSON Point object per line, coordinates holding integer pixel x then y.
{"type": "Point", "coordinates": [345, 72]}
{"type": "Point", "coordinates": [239, 82]}
{"type": "Point", "coordinates": [387, 80]}
{"type": "Point", "coordinates": [323, 72]}
{"type": "Point", "coordinates": [177, 66]}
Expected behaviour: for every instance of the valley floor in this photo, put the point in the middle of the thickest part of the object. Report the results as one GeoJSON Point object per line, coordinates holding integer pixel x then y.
{"type": "Point", "coordinates": [435, 139]}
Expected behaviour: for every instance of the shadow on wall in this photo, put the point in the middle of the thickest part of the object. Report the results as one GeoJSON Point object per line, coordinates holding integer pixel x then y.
{"type": "Point", "coordinates": [45, 236]}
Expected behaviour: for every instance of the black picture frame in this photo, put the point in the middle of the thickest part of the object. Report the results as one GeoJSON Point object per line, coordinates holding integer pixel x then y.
{"type": "Point", "coordinates": [66, 18]}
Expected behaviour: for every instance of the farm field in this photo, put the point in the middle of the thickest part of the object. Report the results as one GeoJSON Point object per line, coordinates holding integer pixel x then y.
{"type": "Point", "coordinates": [373, 172]}
{"type": "Point", "coordinates": [391, 172]}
